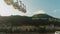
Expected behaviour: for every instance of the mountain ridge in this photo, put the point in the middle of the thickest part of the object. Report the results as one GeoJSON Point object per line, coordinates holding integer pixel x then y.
{"type": "Point", "coordinates": [24, 20]}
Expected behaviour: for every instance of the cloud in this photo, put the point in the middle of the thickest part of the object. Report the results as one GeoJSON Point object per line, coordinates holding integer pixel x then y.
{"type": "Point", "coordinates": [39, 12]}
{"type": "Point", "coordinates": [57, 10]}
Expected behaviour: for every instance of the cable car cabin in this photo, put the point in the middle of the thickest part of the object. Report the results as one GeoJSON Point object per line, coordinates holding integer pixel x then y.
{"type": "Point", "coordinates": [9, 2]}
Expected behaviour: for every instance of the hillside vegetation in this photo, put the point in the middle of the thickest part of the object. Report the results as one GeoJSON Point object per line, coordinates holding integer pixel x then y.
{"type": "Point", "coordinates": [39, 22]}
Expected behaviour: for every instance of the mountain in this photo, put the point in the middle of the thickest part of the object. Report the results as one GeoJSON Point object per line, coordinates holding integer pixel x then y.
{"type": "Point", "coordinates": [7, 23]}
{"type": "Point", "coordinates": [41, 16]}
{"type": "Point", "coordinates": [45, 19]}
{"type": "Point", "coordinates": [15, 20]}
{"type": "Point", "coordinates": [38, 19]}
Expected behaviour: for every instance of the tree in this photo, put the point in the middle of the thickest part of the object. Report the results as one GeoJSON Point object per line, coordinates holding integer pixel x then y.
{"type": "Point", "coordinates": [17, 5]}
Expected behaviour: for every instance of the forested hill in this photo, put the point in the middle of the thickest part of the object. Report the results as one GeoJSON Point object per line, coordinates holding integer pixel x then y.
{"type": "Point", "coordinates": [39, 19]}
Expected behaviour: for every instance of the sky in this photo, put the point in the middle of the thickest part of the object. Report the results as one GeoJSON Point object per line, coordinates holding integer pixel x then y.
{"type": "Point", "coordinates": [50, 7]}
